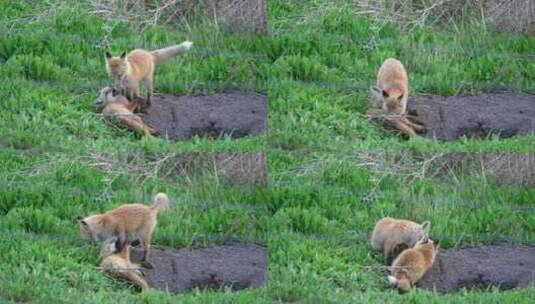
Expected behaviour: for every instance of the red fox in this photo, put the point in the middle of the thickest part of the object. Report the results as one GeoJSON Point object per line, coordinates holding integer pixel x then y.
{"type": "Point", "coordinates": [389, 233]}
{"type": "Point", "coordinates": [114, 105]}
{"type": "Point", "coordinates": [123, 222]}
{"type": "Point", "coordinates": [411, 265]}
{"type": "Point", "coordinates": [392, 87]}
{"type": "Point", "coordinates": [138, 66]}
{"type": "Point", "coordinates": [119, 263]}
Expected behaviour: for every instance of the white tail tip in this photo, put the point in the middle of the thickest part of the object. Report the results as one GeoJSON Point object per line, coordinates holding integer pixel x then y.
{"type": "Point", "coordinates": [392, 280]}
{"type": "Point", "coordinates": [187, 44]}
{"type": "Point", "coordinates": [161, 197]}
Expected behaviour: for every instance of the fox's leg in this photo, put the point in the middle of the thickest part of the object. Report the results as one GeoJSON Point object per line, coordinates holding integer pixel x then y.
{"type": "Point", "coordinates": [148, 131]}
{"type": "Point", "coordinates": [146, 236]}
{"type": "Point", "coordinates": [145, 239]}
{"type": "Point", "coordinates": [388, 248]}
{"type": "Point", "coordinates": [413, 125]}
{"type": "Point", "coordinates": [134, 122]}
{"type": "Point", "coordinates": [135, 278]}
{"type": "Point", "coordinates": [122, 240]}
{"type": "Point", "coordinates": [149, 83]}
{"type": "Point", "coordinates": [135, 94]}
{"type": "Point", "coordinates": [401, 126]}
{"type": "Point", "coordinates": [373, 112]}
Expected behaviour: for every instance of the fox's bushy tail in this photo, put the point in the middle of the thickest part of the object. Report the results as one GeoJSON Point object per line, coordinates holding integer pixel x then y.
{"type": "Point", "coordinates": [164, 54]}
{"type": "Point", "coordinates": [161, 202]}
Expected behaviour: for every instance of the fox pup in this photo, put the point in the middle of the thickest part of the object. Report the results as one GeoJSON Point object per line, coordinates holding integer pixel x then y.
{"type": "Point", "coordinates": [392, 87]}
{"type": "Point", "coordinates": [119, 263]}
{"type": "Point", "coordinates": [390, 233]}
{"type": "Point", "coordinates": [123, 222]}
{"type": "Point", "coordinates": [138, 66]}
{"type": "Point", "coordinates": [115, 105]}
{"type": "Point", "coordinates": [411, 265]}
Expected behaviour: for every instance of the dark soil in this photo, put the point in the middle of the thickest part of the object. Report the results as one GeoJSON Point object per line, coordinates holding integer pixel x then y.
{"type": "Point", "coordinates": [237, 114]}
{"type": "Point", "coordinates": [180, 270]}
{"type": "Point", "coordinates": [503, 266]}
{"type": "Point", "coordinates": [448, 118]}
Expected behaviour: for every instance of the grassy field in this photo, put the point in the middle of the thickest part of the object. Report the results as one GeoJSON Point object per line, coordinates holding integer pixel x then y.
{"type": "Point", "coordinates": [332, 174]}
{"type": "Point", "coordinates": [60, 161]}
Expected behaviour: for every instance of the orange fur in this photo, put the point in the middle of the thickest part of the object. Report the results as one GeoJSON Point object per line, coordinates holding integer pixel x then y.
{"type": "Point", "coordinates": [411, 265]}
{"type": "Point", "coordinates": [392, 87]}
{"type": "Point", "coordinates": [390, 233]}
{"type": "Point", "coordinates": [120, 264]}
{"type": "Point", "coordinates": [125, 221]}
{"type": "Point", "coordinates": [117, 106]}
{"type": "Point", "coordinates": [401, 123]}
{"type": "Point", "coordinates": [138, 66]}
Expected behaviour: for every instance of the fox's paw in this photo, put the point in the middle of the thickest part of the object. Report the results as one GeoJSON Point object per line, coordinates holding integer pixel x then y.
{"type": "Point", "coordinates": [146, 264]}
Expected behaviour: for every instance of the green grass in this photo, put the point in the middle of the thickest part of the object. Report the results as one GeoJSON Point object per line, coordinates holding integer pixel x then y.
{"type": "Point", "coordinates": [332, 174]}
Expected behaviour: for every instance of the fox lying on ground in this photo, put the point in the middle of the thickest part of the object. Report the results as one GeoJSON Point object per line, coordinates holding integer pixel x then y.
{"type": "Point", "coordinates": [411, 265]}
{"type": "Point", "coordinates": [389, 234]}
{"type": "Point", "coordinates": [114, 105]}
{"type": "Point", "coordinates": [118, 263]}
{"type": "Point", "coordinates": [123, 222]}
{"type": "Point", "coordinates": [138, 66]}
{"type": "Point", "coordinates": [400, 122]}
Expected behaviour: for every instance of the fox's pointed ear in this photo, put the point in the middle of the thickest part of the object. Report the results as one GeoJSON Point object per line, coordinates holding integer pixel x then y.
{"type": "Point", "coordinates": [81, 221]}
{"type": "Point", "coordinates": [375, 89]}
{"type": "Point", "coordinates": [123, 55]}
{"type": "Point", "coordinates": [107, 54]}
{"type": "Point", "coordinates": [426, 226]}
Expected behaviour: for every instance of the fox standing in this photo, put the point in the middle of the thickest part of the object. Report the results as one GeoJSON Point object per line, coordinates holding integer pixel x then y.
{"type": "Point", "coordinates": [138, 66]}
{"type": "Point", "coordinates": [389, 233]}
{"type": "Point", "coordinates": [119, 263]}
{"type": "Point", "coordinates": [392, 90]}
{"type": "Point", "coordinates": [124, 221]}
{"type": "Point", "coordinates": [411, 265]}
{"type": "Point", "coordinates": [392, 86]}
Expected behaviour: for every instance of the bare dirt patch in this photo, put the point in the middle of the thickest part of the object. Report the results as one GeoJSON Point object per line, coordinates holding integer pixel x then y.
{"type": "Point", "coordinates": [503, 266]}
{"type": "Point", "coordinates": [237, 266]}
{"type": "Point", "coordinates": [237, 114]}
{"type": "Point", "coordinates": [448, 118]}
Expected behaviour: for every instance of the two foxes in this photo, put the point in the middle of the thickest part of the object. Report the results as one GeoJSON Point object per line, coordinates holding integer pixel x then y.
{"type": "Point", "coordinates": [409, 266]}
{"type": "Point", "coordinates": [129, 70]}
{"type": "Point", "coordinates": [117, 225]}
